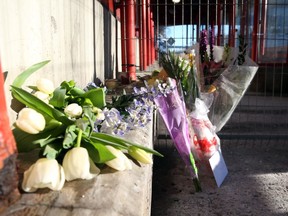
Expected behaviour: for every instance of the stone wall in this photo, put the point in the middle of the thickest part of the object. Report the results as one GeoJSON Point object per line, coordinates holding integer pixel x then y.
{"type": "Point", "coordinates": [70, 33]}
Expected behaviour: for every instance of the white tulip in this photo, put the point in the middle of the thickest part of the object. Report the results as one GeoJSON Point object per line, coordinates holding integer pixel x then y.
{"type": "Point", "coordinates": [100, 116]}
{"type": "Point", "coordinates": [78, 165]}
{"type": "Point", "coordinates": [45, 85]}
{"type": "Point", "coordinates": [42, 96]}
{"type": "Point", "coordinates": [73, 110]}
{"type": "Point", "coordinates": [140, 155]}
{"type": "Point", "coordinates": [45, 173]}
{"type": "Point", "coordinates": [30, 121]}
{"type": "Point", "coordinates": [121, 162]}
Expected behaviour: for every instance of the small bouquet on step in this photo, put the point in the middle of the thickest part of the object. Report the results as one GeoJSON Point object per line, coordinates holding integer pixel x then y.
{"type": "Point", "coordinates": [169, 98]}
{"type": "Point", "coordinates": [172, 109]}
{"type": "Point", "coordinates": [203, 140]}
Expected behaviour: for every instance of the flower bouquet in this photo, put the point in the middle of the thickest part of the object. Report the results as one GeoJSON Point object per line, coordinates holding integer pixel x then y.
{"type": "Point", "coordinates": [75, 130]}
{"type": "Point", "coordinates": [169, 99]}
{"type": "Point", "coordinates": [227, 72]}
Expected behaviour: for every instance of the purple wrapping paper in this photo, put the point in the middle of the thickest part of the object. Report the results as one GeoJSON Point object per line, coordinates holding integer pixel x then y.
{"type": "Point", "coordinates": [173, 112]}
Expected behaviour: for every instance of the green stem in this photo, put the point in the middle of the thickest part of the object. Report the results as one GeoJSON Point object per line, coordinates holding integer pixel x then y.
{"type": "Point", "coordinates": [79, 137]}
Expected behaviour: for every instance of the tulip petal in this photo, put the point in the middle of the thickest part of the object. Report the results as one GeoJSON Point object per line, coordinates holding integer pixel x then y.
{"type": "Point", "coordinates": [77, 165]}
{"type": "Point", "coordinates": [44, 173]}
{"type": "Point", "coordinates": [121, 162]}
{"type": "Point", "coordinates": [45, 85]}
{"type": "Point", "coordinates": [30, 121]}
{"type": "Point", "coordinates": [140, 155]}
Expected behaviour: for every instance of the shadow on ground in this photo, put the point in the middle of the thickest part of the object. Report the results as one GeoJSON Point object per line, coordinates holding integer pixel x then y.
{"type": "Point", "coordinates": [257, 182]}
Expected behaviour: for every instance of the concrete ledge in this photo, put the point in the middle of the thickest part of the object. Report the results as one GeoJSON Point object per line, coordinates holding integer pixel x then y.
{"type": "Point", "coordinates": [112, 193]}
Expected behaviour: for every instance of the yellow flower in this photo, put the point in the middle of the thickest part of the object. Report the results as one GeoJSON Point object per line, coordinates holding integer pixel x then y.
{"type": "Point", "coordinates": [45, 85]}
{"type": "Point", "coordinates": [140, 155]}
{"type": "Point", "coordinates": [121, 162]}
{"type": "Point", "coordinates": [78, 165]}
{"type": "Point", "coordinates": [45, 173]}
{"type": "Point", "coordinates": [30, 121]}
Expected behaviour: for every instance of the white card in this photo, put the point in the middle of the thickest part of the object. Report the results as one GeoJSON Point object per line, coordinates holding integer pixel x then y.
{"type": "Point", "coordinates": [218, 167]}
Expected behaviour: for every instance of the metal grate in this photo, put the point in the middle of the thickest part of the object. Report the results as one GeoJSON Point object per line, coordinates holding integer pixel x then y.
{"type": "Point", "coordinates": [264, 109]}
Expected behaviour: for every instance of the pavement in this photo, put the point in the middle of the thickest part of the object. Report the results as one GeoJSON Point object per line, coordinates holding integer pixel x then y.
{"type": "Point", "coordinates": [254, 145]}
{"type": "Point", "coordinates": [257, 182]}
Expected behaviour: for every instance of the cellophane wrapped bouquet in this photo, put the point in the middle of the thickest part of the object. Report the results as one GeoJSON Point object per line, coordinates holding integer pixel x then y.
{"type": "Point", "coordinates": [227, 72]}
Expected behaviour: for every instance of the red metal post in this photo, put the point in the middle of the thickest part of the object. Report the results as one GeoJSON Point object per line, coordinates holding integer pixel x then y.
{"type": "Point", "coordinates": [8, 156]}
{"type": "Point", "coordinates": [130, 39]}
{"type": "Point", "coordinates": [148, 33]}
{"type": "Point", "coordinates": [123, 36]}
{"type": "Point", "coordinates": [152, 40]}
{"type": "Point", "coordinates": [6, 136]}
{"type": "Point", "coordinates": [255, 30]}
{"type": "Point", "coordinates": [143, 47]}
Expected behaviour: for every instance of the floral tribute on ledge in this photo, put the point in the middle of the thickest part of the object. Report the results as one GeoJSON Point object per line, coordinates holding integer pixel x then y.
{"type": "Point", "coordinates": [76, 130]}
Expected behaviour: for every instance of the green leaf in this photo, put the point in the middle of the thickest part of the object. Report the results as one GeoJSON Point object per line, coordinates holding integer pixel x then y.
{"type": "Point", "coordinates": [27, 142]}
{"type": "Point", "coordinates": [70, 137]}
{"type": "Point", "coordinates": [68, 85]}
{"type": "Point", "coordinates": [97, 97]}
{"type": "Point", "coordinates": [40, 106]}
{"type": "Point", "coordinates": [58, 99]}
{"type": "Point", "coordinates": [97, 151]}
{"type": "Point", "coordinates": [91, 117]}
{"type": "Point", "coordinates": [51, 151]}
{"type": "Point", "coordinates": [19, 80]}
{"type": "Point", "coordinates": [118, 142]}
{"type": "Point", "coordinates": [83, 124]}
{"type": "Point", "coordinates": [77, 92]}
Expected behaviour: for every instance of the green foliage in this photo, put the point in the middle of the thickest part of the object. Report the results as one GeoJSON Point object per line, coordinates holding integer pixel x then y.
{"type": "Point", "coordinates": [242, 50]}
{"type": "Point", "coordinates": [62, 133]}
{"type": "Point", "coordinates": [18, 82]}
{"type": "Point", "coordinates": [183, 72]}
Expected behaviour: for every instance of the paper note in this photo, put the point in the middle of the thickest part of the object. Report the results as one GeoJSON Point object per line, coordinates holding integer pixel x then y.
{"type": "Point", "coordinates": [218, 167]}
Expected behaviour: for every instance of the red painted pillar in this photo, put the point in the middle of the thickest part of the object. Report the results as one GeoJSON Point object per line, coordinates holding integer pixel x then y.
{"type": "Point", "coordinates": [130, 39]}
{"type": "Point", "coordinates": [8, 156]}
{"type": "Point", "coordinates": [123, 36]}
{"type": "Point", "coordinates": [152, 40]}
{"type": "Point", "coordinates": [148, 33]}
{"type": "Point", "coordinates": [143, 47]}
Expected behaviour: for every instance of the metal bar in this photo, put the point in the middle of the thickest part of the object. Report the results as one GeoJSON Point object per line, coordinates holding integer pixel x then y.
{"type": "Point", "coordinates": [232, 24]}
{"type": "Point", "coordinates": [152, 39]}
{"type": "Point", "coordinates": [143, 51]}
{"type": "Point", "coordinates": [148, 33]}
{"type": "Point", "coordinates": [218, 5]}
{"type": "Point", "coordinates": [263, 27]}
{"type": "Point", "coordinates": [255, 30]}
{"type": "Point", "coordinates": [130, 41]}
{"type": "Point", "coordinates": [123, 35]}
{"type": "Point", "coordinates": [224, 21]}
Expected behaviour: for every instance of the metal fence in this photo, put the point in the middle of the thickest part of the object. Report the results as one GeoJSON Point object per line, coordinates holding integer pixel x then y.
{"type": "Point", "coordinates": [263, 111]}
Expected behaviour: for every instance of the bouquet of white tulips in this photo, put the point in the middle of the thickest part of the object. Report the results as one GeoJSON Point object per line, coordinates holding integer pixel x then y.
{"type": "Point", "coordinates": [75, 131]}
